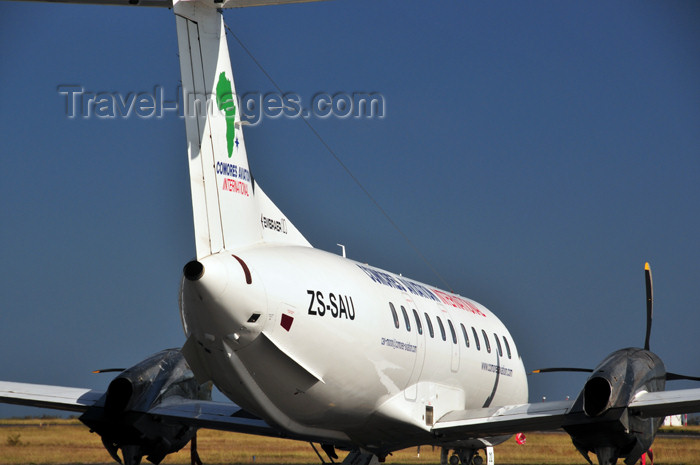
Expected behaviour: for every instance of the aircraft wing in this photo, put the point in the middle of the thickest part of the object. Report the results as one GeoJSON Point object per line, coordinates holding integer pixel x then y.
{"type": "Point", "coordinates": [512, 419]}
{"type": "Point", "coordinates": [509, 419]}
{"type": "Point", "coordinates": [223, 416]}
{"type": "Point", "coordinates": [663, 403]}
{"type": "Point", "coordinates": [200, 414]}
{"type": "Point", "coordinates": [45, 396]}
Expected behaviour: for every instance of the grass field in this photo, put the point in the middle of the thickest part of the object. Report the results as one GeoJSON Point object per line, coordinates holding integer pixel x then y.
{"type": "Point", "coordinates": [69, 442]}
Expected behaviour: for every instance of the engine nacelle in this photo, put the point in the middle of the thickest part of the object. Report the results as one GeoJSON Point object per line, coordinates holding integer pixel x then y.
{"type": "Point", "coordinates": [121, 420]}
{"type": "Point", "coordinates": [599, 421]}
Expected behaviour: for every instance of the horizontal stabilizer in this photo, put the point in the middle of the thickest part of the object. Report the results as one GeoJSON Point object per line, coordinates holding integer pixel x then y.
{"type": "Point", "coordinates": [156, 3]}
{"type": "Point", "coordinates": [169, 3]}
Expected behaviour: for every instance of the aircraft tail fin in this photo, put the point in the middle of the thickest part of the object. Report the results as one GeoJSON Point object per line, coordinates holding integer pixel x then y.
{"type": "Point", "coordinates": [230, 210]}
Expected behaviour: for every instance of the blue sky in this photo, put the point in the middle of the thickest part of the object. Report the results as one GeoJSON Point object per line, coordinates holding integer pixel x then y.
{"type": "Point", "coordinates": [537, 154]}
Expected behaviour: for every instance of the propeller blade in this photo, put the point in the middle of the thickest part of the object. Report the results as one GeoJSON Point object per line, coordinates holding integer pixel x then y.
{"type": "Point", "coordinates": [650, 302]}
{"type": "Point", "coordinates": [676, 377]}
{"type": "Point", "coordinates": [559, 369]}
{"type": "Point", "coordinates": [110, 370]}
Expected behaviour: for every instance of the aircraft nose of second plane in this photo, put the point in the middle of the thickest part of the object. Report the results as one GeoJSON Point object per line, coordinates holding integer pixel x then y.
{"type": "Point", "coordinates": [218, 301]}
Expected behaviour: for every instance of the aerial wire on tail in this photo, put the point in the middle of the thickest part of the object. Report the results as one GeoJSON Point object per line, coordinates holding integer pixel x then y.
{"type": "Point", "coordinates": [344, 166]}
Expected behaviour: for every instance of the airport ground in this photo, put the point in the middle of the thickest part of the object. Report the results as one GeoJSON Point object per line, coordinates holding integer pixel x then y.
{"type": "Point", "coordinates": [62, 441]}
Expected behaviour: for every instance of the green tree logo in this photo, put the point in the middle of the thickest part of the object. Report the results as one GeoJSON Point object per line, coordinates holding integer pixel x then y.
{"type": "Point", "coordinates": [226, 102]}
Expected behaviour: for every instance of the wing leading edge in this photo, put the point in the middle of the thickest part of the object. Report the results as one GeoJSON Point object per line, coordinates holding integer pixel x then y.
{"type": "Point", "coordinates": [509, 419]}
{"type": "Point", "coordinates": [46, 396]}
{"type": "Point", "coordinates": [199, 414]}
{"type": "Point", "coordinates": [512, 419]}
{"type": "Point", "coordinates": [212, 415]}
{"type": "Point", "coordinates": [663, 403]}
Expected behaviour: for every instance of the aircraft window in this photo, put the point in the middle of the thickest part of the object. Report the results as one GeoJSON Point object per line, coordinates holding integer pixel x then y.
{"type": "Point", "coordinates": [419, 327]}
{"type": "Point", "coordinates": [507, 346]}
{"type": "Point", "coordinates": [452, 331]}
{"type": "Point", "coordinates": [486, 341]}
{"type": "Point", "coordinates": [430, 325]}
{"type": "Point", "coordinates": [498, 345]}
{"type": "Point", "coordinates": [442, 328]}
{"type": "Point", "coordinates": [464, 333]}
{"type": "Point", "coordinates": [405, 319]}
{"type": "Point", "coordinates": [476, 338]}
{"type": "Point", "coordinates": [393, 313]}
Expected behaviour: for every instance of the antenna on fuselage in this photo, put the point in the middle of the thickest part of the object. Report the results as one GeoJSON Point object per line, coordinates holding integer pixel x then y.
{"type": "Point", "coordinates": [343, 248]}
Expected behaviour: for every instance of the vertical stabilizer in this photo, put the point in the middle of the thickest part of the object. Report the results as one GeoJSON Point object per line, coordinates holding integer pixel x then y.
{"type": "Point", "coordinates": [230, 211]}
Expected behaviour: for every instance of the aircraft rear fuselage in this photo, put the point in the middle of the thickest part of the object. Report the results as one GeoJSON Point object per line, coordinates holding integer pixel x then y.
{"type": "Point", "coordinates": [304, 337]}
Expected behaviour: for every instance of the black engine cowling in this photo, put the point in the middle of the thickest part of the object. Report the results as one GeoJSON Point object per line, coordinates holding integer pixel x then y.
{"type": "Point", "coordinates": [121, 417]}
{"type": "Point", "coordinates": [599, 420]}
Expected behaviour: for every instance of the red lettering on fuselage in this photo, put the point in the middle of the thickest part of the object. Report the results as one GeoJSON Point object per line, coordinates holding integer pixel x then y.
{"type": "Point", "coordinates": [458, 302]}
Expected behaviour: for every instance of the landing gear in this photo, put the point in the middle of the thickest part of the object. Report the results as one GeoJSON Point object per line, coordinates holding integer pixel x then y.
{"type": "Point", "coordinates": [465, 457]}
{"type": "Point", "coordinates": [194, 455]}
{"type": "Point", "coordinates": [361, 457]}
{"type": "Point", "coordinates": [132, 455]}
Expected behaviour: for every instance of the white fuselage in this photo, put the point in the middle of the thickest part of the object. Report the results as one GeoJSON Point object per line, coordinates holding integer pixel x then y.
{"type": "Point", "coordinates": [312, 346]}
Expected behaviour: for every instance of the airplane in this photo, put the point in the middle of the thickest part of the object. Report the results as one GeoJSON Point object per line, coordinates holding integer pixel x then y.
{"type": "Point", "coordinates": [408, 363]}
